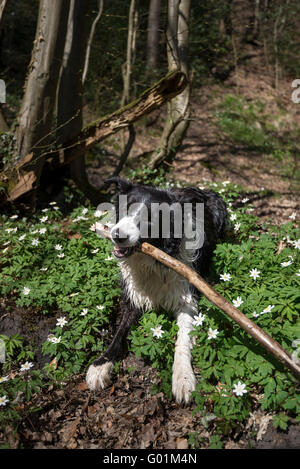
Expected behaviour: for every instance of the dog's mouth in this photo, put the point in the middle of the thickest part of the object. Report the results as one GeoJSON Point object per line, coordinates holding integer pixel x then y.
{"type": "Point", "coordinates": [121, 253]}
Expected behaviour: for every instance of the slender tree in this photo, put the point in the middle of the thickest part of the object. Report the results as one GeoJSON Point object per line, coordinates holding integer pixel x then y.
{"type": "Point", "coordinates": [3, 5]}
{"type": "Point", "coordinates": [178, 109]}
{"type": "Point", "coordinates": [153, 36]}
{"type": "Point", "coordinates": [35, 116]}
{"type": "Point", "coordinates": [70, 90]}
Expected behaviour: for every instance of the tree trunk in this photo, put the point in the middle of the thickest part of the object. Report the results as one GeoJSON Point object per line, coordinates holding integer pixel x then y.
{"type": "Point", "coordinates": [130, 52]}
{"type": "Point", "coordinates": [3, 5]}
{"type": "Point", "coordinates": [153, 36]}
{"type": "Point", "coordinates": [35, 117]}
{"type": "Point", "coordinates": [177, 120]}
{"type": "Point", "coordinates": [21, 179]}
{"type": "Point", "coordinates": [90, 40]}
{"type": "Point", "coordinates": [70, 91]}
{"type": "Point", "coordinates": [3, 124]}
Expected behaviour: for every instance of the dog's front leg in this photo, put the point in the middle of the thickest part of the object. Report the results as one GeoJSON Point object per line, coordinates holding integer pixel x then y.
{"type": "Point", "coordinates": [98, 375]}
{"type": "Point", "coordinates": [183, 378]}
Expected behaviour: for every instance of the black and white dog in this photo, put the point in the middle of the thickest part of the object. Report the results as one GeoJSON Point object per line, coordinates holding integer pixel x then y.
{"type": "Point", "coordinates": [147, 284]}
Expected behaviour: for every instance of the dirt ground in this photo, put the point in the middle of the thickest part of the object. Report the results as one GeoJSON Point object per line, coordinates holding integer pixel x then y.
{"type": "Point", "coordinates": [126, 415]}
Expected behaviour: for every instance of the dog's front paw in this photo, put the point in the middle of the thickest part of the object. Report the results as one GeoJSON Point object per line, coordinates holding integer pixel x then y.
{"type": "Point", "coordinates": [98, 376]}
{"type": "Point", "coordinates": [183, 384]}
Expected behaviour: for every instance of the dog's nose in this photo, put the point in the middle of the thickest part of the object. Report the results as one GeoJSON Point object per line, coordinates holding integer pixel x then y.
{"type": "Point", "coordinates": [118, 235]}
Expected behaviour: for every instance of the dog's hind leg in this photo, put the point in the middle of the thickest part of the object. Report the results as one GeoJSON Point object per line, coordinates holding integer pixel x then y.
{"type": "Point", "coordinates": [183, 378]}
{"type": "Point", "coordinates": [98, 375]}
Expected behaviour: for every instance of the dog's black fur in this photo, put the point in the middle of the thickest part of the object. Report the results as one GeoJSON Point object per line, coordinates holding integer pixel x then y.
{"type": "Point", "coordinates": [215, 219]}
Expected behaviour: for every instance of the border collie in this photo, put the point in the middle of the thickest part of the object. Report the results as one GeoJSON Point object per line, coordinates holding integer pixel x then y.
{"type": "Point", "coordinates": [148, 284]}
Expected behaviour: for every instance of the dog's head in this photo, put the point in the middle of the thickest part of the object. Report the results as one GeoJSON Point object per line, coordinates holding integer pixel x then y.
{"type": "Point", "coordinates": [139, 219]}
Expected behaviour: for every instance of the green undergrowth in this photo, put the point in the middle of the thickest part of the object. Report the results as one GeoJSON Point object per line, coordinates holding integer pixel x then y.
{"type": "Point", "coordinates": [57, 267]}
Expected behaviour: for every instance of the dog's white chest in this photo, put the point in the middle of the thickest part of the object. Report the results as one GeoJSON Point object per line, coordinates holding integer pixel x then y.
{"type": "Point", "coordinates": [150, 285]}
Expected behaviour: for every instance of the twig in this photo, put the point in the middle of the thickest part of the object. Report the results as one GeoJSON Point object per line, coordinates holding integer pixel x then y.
{"type": "Point", "coordinates": [218, 300]}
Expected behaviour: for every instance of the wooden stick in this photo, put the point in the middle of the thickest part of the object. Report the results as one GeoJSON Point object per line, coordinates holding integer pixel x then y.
{"type": "Point", "coordinates": [218, 300]}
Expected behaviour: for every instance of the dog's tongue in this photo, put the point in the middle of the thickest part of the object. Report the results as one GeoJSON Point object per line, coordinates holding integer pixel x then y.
{"type": "Point", "coordinates": [120, 252]}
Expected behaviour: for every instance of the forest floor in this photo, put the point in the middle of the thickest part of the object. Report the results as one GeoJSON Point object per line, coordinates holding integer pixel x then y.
{"type": "Point", "coordinates": [126, 415]}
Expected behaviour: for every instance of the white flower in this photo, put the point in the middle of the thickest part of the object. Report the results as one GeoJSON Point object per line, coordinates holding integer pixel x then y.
{"type": "Point", "coordinates": [293, 216]}
{"type": "Point", "coordinates": [35, 242]}
{"type": "Point", "coordinates": [26, 366]}
{"type": "Point", "coordinates": [298, 273]}
{"type": "Point", "coordinates": [43, 230]}
{"type": "Point", "coordinates": [5, 249]}
{"type": "Point", "coordinates": [255, 314]}
{"type": "Point", "coordinates": [198, 320]}
{"type": "Point", "coordinates": [254, 273]}
{"type": "Point", "coordinates": [3, 400]}
{"type": "Point", "coordinates": [93, 227]}
{"type": "Point", "coordinates": [9, 230]}
{"type": "Point", "coordinates": [73, 294]}
{"type": "Point", "coordinates": [297, 244]}
{"type": "Point", "coordinates": [100, 308]}
{"type": "Point", "coordinates": [61, 322]}
{"type": "Point", "coordinates": [95, 251]}
{"type": "Point", "coordinates": [245, 200]}
{"type": "Point", "coordinates": [55, 208]}
{"type": "Point", "coordinates": [22, 237]}
{"type": "Point", "coordinates": [239, 389]}
{"type": "Point", "coordinates": [52, 203]}
{"type": "Point", "coordinates": [233, 217]}
{"type": "Point", "coordinates": [43, 219]}
{"type": "Point", "coordinates": [225, 277]}
{"type": "Point", "coordinates": [212, 333]}
{"type": "Point", "coordinates": [26, 291]}
{"type": "Point", "coordinates": [237, 226]}
{"type": "Point", "coordinates": [109, 258]}
{"type": "Point", "coordinates": [4, 378]}
{"type": "Point", "coordinates": [58, 247]}
{"type": "Point", "coordinates": [56, 340]}
{"type": "Point", "coordinates": [285, 264]}
{"type": "Point", "coordinates": [84, 211]}
{"type": "Point", "coordinates": [157, 331]}
{"type": "Point", "coordinates": [84, 312]}
{"type": "Point", "coordinates": [237, 302]}
{"type": "Point", "coordinates": [45, 210]}
{"type": "Point", "coordinates": [61, 255]}
{"type": "Point", "coordinates": [43, 269]}
{"type": "Point", "coordinates": [13, 217]}
{"type": "Point", "coordinates": [268, 309]}
{"type": "Point", "coordinates": [50, 337]}
{"type": "Point", "coordinates": [225, 183]}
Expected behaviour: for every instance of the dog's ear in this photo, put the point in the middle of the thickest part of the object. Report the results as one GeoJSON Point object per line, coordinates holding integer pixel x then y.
{"type": "Point", "coordinates": [123, 185]}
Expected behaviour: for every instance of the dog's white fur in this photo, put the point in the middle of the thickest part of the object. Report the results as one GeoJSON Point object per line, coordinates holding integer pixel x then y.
{"type": "Point", "coordinates": [150, 285]}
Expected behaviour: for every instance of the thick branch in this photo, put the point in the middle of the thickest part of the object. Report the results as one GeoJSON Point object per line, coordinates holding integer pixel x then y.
{"type": "Point", "coordinates": [218, 300]}
{"type": "Point", "coordinates": [21, 179]}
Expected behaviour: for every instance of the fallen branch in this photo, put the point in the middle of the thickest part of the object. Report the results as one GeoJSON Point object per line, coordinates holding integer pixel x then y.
{"type": "Point", "coordinates": [218, 300]}
{"type": "Point", "coordinates": [22, 178]}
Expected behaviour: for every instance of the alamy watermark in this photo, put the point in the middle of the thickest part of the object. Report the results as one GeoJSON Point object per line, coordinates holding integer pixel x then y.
{"type": "Point", "coordinates": [159, 220]}
{"type": "Point", "coordinates": [2, 92]}
{"type": "Point", "coordinates": [296, 92]}
{"type": "Point", "coordinates": [2, 351]}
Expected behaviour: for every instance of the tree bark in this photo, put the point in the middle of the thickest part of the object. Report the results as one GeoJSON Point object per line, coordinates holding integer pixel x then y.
{"type": "Point", "coordinates": [70, 91]}
{"type": "Point", "coordinates": [218, 300]}
{"type": "Point", "coordinates": [153, 36]}
{"type": "Point", "coordinates": [35, 116]}
{"type": "Point", "coordinates": [3, 5]}
{"type": "Point", "coordinates": [21, 179]}
{"type": "Point", "coordinates": [178, 114]}
{"type": "Point", "coordinates": [90, 40]}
